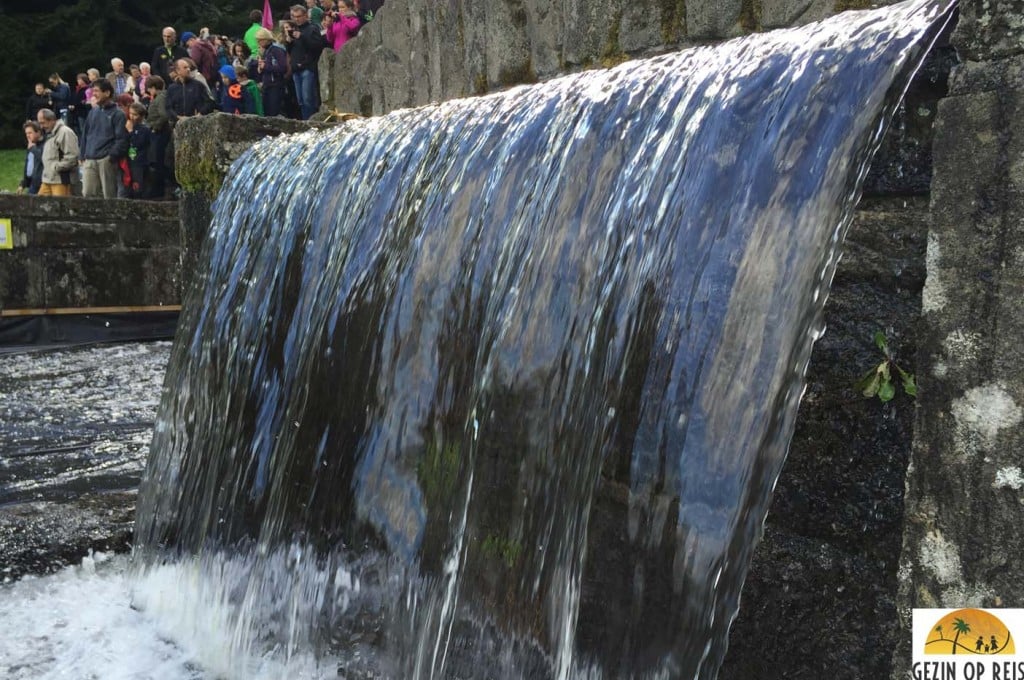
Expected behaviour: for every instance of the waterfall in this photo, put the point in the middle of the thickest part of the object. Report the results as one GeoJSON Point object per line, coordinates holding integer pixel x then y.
{"type": "Point", "coordinates": [500, 387]}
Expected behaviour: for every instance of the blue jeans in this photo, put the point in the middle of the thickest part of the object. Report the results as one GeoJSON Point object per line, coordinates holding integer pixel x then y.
{"type": "Point", "coordinates": [306, 86]}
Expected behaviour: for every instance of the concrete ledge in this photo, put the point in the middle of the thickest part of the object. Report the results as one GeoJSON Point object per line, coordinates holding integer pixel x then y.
{"type": "Point", "coordinates": [78, 252]}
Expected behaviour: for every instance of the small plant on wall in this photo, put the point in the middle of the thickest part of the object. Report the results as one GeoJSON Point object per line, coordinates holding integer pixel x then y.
{"type": "Point", "coordinates": [878, 382]}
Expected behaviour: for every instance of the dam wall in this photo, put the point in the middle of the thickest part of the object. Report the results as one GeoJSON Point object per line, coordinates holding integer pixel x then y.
{"type": "Point", "coordinates": [933, 261]}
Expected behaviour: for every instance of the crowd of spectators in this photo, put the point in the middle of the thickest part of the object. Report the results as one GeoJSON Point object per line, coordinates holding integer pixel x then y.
{"type": "Point", "coordinates": [114, 131]}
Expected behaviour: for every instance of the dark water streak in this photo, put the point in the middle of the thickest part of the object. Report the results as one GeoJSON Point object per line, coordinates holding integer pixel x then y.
{"type": "Point", "coordinates": [526, 366]}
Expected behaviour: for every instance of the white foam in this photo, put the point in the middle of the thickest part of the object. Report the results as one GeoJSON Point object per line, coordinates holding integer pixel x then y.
{"type": "Point", "coordinates": [79, 623]}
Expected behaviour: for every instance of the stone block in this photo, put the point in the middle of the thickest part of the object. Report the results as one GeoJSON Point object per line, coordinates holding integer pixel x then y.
{"type": "Point", "coordinates": [22, 280]}
{"type": "Point", "coordinates": [784, 13]}
{"type": "Point", "coordinates": [990, 29]}
{"type": "Point", "coordinates": [971, 182]}
{"type": "Point", "coordinates": [714, 19]}
{"type": "Point", "coordinates": [509, 54]}
{"type": "Point", "coordinates": [68, 234]}
{"type": "Point", "coordinates": [987, 76]}
{"type": "Point", "coordinates": [650, 24]}
{"type": "Point", "coordinates": [155, 234]}
{"type": "Point", "coordinates": [590, 30]}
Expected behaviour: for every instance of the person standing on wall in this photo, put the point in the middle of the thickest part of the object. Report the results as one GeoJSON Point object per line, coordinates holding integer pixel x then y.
{"type": "Point", "coordinates": [341, 25]}
{"type": "Point", "coordinates": [204, 55]}
{"type": "Point", "coordinates": [32, 177]}
{"type": "Point", "coordinates": [160, 135]}
{"type": "Point", "coordinates": [271, 72]}
{"type": "Point", "coordinates": [60, 93]}
{"type": "Point", "coordinates": [367, 9]}
{"type": "Point", "coordinates": [78, 110]}
{"type": "Point", "coordinates": [39, 99]}
{"type": "Point", "coordinates": [316, 14]}
{"type": "Point", "coordinates": [104, 143]}
{"type": "Point", "coordinates": [162, 63]}
{"type": "Point", "coordinates": [60, 155]}
{"type": "Point", "coordinates": [187, 95]}
{"type": "Point", "coordinates": [121, 80]}
{"type": "Point", "coordinates": [305, 43]}
{"type": "Point", "coordinates": [256, 17]}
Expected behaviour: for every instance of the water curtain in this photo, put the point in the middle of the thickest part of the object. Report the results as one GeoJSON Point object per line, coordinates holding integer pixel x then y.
{"type": "Point", "coordinates": [500, 387]}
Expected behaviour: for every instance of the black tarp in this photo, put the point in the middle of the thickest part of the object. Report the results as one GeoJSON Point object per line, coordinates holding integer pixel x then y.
{"type": "Point", "coordinates": [20, 333]}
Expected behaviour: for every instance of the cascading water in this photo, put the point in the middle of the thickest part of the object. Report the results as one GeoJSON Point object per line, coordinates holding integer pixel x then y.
{"type": "Point", "coordinates": [501, 387]}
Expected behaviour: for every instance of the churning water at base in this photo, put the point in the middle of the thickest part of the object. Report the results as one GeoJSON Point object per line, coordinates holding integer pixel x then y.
{"type": "Point", "coordinates": [501, 387]}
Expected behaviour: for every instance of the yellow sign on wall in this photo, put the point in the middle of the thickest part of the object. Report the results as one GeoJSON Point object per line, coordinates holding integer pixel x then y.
{"type": "Point", "coordinates": [6, 234]}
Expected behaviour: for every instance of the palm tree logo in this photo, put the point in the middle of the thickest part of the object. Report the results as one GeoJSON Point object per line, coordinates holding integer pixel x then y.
{"type": "Point", "coordinates": [992, 635]}
{"type": "Point", "coordinates": [960, 626]}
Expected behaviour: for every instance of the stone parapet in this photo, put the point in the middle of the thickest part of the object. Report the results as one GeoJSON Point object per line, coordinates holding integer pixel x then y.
{"type": "Point", "coordinates": [77, 252]}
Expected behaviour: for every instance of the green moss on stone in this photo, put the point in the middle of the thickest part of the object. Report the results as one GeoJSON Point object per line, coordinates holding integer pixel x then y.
{"type": "Point", "coordinates": [612, 51]}
{"type": "Point", "coordinates": [843, 5]}
{"type": "Point", "coordinates": [673, 21]}
{"type": "Point", "coordinates": [480, 84]}
{"type": "Point", "coordinates": [502, 548]}
{"type": "Point", "coordinates": [750, 16]}
{"type": "Point", "coordinates": [200, 175]}
{"type": "Point", "coordinates": [439, 471]}
{"type": "Point", "coordinates": [516, 75]}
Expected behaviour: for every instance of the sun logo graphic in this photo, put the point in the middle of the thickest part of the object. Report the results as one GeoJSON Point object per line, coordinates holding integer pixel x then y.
{"type": "Point", "coordinates": [969, 631]}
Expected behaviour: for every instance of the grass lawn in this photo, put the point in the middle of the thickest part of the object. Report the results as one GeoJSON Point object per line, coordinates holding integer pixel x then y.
{"type": "Point", "coordinates": [12, 164]}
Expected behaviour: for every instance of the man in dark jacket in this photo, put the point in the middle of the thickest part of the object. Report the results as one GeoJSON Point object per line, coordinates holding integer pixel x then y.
{"type": "Point", "coordinates": [186, 96]}
{"type": "Point", "coordinates": [32, 178]}
{"type": "Point", "coordinates": [162, 63]}
{"type": "Point", "coordinates": [104, 143]}
{"type": "Point", "coordinates": [60, 93]}
{"type": "Point", "coordinates": [160, 129]}
{"type": "Point", "coordinates": [305, 43]}
{"type": "Point", "coordinates": [40, 99]}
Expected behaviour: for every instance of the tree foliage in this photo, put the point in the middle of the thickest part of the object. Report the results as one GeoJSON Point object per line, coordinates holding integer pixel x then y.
{"type": "Point", "coordinates": [47, 36]}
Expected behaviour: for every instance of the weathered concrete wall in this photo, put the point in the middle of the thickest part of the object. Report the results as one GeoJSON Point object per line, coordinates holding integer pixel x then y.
{"type": "Point", "coordinates": [77, 252]}
{"type": "Point", "coordinates": [964, 529]}
{"type": "Point", "coordinates": [419, 51]}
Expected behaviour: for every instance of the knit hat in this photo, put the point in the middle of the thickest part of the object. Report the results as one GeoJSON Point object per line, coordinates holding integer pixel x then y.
{"type": "Point", "coordinates": [228, 72]}
{"type": "Point", "coordinates": [186, 36]}
{"type": "Point", "coordinates": [263, 34]}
